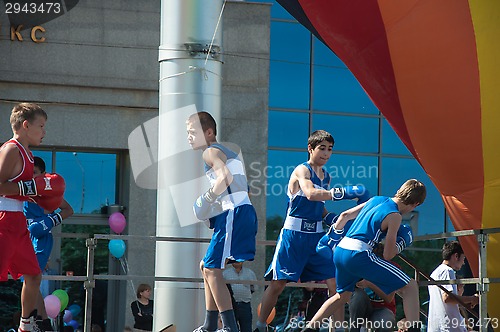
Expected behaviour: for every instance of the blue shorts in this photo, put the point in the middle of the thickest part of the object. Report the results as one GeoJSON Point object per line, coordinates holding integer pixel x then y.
{"type": "Point", "coordinates": [233, 238]}
{"type": "Point", "coordinates": [296, 258]}
{"type": "Point", "coordinates": [352, 266]}
{"type": "Point", "coordinates": [43, 249]}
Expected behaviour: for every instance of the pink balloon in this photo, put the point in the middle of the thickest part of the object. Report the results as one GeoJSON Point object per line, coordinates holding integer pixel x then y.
{"type": "Point", "coordinates": [52, 305]}
{"type": "Point", "coordinates": [117, 222]}
{"type": "Point", "coordinates": [68, 316]}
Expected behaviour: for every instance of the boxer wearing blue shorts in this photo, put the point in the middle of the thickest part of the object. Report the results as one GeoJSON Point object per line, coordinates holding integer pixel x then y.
{"type": "Point", "coordinates": [295, 256]}
{"type": "Point", "coordinates": [230, 213]}
{"type": "Point", "coordinates": [354, 258]}
{"type": "Point", "coordinates": [40, 224]}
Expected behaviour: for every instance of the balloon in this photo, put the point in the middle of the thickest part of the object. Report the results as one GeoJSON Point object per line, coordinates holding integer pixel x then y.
{"type": "Point", "coordinates": [271, 314]}
{"type": "Point", "coordinates": [52, 305]}
{"type": "Point", "coordinates": [68, 316]}
{"type": "Point", "coordinates": [63, 297]}
{"type": "Point", "coordinates": [117, 222]}
{"type": "Point", "coordinates": [73, 323]}
{"type": "Point", "coordinates": [431, 68]}
{"type": "Point", "coordinates": [117, 248]}
{"type": "Point", "coordinates": [75, 309]}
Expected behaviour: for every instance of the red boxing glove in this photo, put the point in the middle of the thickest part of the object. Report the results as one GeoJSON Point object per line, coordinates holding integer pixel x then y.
{"type": "Point", "coordinates": [50, 184]}
{"type": "Point", "coordinates": [49, 203]}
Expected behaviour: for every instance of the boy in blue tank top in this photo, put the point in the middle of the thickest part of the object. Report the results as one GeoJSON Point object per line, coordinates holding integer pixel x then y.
{"type": "Point", "coordinates": [354, 258]}
{"type": "Point", "coordinates": [231, 215]}
{"type": "Point", "coordinates": [295, 256]}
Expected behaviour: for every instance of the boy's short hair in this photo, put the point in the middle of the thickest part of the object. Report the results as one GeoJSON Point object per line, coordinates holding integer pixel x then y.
{"type": "Point", "coordinates": [206, 121]}
{"type": "Point", "coordinates": [412, 192]}
{"type": "Point", "coordinates": [38, 162]}
{"type": "Point", "coordinates": [319, 136]}
{"type": "Point", "coordinates": [25, 111]}
{"type": "Point", "coordinates": [141, 288]}
{"type": "Point", "coordinates": [450, 248]}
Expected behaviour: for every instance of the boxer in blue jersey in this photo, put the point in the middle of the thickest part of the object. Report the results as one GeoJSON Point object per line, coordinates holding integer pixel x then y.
{"type": "Point", "coordinates": [230, 213]}
{"type": "Point", "coordinates": [354, 258]}
{"type": "Point", "coordinates": [295, 256]}
{"type": "Point", "coordinates": [40, 224]}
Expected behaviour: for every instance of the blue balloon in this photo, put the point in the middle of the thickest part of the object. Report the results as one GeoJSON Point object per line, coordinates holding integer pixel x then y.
{"type": "Point", "coordinates": [75, 309]}
{"type": "Point", "coordinates": [117, 248]}
{"type": "Point", "coordinates": [74, 324]}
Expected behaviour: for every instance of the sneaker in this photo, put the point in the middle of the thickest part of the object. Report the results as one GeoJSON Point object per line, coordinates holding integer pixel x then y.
{"type": "Point", "coordinates": [201, 329]}
{"type": "Point", "coordinates": [28, 324]}
{"type": "Point", "coordinates": [36, 328]}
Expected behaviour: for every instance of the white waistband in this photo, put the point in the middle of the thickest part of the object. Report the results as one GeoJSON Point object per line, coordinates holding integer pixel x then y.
{"type": "Point", "coordinates": [303, 225]}
{"type": "Point", "coordinates": [10, 204]}
{"type": "Point", "coordinates": [354, 244]}
{"type": "Point", "coordinates": [229, 202]}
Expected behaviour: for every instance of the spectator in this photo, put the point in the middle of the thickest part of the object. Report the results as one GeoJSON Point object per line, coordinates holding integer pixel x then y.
{"type": "Point", "coordinates": [444, 312]}
{"type": "Point", "coordinates": [242, 294]}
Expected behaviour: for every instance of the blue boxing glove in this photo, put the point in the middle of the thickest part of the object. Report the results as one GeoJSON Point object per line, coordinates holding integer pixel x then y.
{"type": "Point", "coordinates": [326, 245]}
{"type": "Point", "coordinates": [206, 206]}
{"type": "Point", "coordinates": [42, 226]}
{"type": "Point", "coordinates": [358, 192]}
{"type": "Point", "coordinates": [404, 238]}
{"type": "Point", "coordinates": [330, 218]}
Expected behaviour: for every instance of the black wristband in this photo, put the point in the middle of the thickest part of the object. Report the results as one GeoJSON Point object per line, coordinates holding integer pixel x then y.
{"type": "Point", "coordinates": [210, 196]}
{"type": "Point", "coordinates": [27, 188]}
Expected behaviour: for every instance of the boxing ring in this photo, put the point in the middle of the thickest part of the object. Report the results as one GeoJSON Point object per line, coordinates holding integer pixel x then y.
{"type": "Point", "coordinates": [482, 282]}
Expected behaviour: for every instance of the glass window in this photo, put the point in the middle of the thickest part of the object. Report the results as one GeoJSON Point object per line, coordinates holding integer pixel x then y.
{"type": "Point", "coordinates": [336, 89]}
{"type": "Point", "coordinates": [47, 158]}
{"type": "Point", "coordinates": [394, 172]}
{"type": "Point", "coordinates": [323, 56]}
{"type": "Point", "coordinates": [280, 166]}
{"type": "Point", "coordinates": [289, 129]}
{"type": "Point", "coordinates": [90, 179]}
{"type": "Point", "coordinates": [348, 170]}
{"type": "Point", "coordinates": [391, 143]}
{"type": "Point", "coordinates": [289, 66]}
{"type": "Point", "coordinates": [351, 133]}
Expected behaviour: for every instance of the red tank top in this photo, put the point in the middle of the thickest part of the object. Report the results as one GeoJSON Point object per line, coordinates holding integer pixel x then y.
{"type": "Point", "coordinates": [28, 166]}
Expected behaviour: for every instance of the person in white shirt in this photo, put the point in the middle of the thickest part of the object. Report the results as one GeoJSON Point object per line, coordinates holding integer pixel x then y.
{"type": "Point", "coordinates": [242, 294]}
{"type": "Point", "coordinates": [444, 313]}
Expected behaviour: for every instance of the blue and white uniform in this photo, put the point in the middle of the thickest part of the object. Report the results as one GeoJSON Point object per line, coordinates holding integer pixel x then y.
{"type": "Point", "coordinates": [236, 228]}
{"type": "Point", "coordinates": [295, 256]}
{"type": "Point", "coordinates": [354, 258]}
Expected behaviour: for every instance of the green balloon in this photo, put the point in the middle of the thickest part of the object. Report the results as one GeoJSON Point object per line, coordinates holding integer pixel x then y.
{"type": "Point", "coordinates": [63, 297]}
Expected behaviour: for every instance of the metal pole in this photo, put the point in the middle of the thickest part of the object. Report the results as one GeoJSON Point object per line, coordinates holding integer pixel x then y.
{"type": "Point", "coordinates": [83, 182]}
{"type": "Point", "coordinates": [89, 284]}
{"type": "Point", "coordinates": [483, 286]}
{"type": "Point", "coordinates": [190, 81]}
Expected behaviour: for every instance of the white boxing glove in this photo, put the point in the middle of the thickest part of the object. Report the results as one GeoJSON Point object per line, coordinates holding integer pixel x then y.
{"type": "Point", "coordinates": [206, 206]}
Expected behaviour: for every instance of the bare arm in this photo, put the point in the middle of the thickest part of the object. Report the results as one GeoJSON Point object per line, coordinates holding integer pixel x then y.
{"type": "Point", "coordinates": [347, 215]}
{"type": "Point", "coordinates": [472, 300]}
{"type": "Point", "coordinates": [10, 166]}
{"type": "Point", "coordinates": [66, 210]}
{"type": "Point", "coordinates": [367, 284]}
{"type": "Point", "coordinates": [391, 223]}
{"type": "Point", "coordinates": [217, 160]}
{"type": "Point", "coordinates": [301, 179]}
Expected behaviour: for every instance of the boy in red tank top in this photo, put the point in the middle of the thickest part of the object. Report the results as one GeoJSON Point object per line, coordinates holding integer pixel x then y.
{"type": "Point", "coordinates": [17, 256]}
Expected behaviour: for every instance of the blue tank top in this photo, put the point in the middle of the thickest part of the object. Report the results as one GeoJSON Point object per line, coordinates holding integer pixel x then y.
{"type": "Point", "coordinates": [300, 207]}
{"type": "Point", "coordinates": [237, 169]}
{"type": "Point", "coordinates": [366, 226]}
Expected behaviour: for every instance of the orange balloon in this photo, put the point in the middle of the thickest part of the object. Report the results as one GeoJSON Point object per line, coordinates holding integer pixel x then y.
{"type": "Point", "coordinates": [271, 315]}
